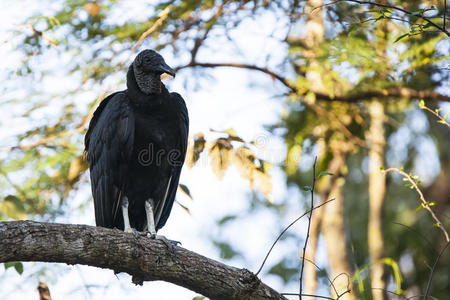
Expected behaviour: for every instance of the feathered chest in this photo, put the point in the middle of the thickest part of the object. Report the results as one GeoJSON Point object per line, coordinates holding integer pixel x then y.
{"type": "Point", "coordinates": [157, 128]}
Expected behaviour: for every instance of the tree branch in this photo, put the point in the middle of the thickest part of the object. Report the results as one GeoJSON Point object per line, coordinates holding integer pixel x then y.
{"type": "Point", "coordinates": [425, 204]}
{"type": "Point", "coordinates": [371, 3]}
{"type": "Point", "coordinates": [145, 259]}
{"type": "Point", "coordinates": [401, 92]}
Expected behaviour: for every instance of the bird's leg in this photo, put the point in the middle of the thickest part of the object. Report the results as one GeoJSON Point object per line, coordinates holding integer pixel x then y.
{"type": "Point", "coordinates": [126, 218]}
{"type": "Point", "coordinates": [149, 206]}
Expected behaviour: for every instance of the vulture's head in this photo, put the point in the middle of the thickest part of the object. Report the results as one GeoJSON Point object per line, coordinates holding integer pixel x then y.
{"type": "Point", "coordinates": [148, 67]}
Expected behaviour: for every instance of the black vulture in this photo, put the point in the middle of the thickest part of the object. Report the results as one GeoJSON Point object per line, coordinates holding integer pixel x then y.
{"type": "Point", "coordinates": [135, 146]}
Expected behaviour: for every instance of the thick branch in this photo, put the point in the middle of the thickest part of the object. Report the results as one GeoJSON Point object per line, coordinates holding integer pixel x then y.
{"type": "Point", "coordinates": [143, 258]}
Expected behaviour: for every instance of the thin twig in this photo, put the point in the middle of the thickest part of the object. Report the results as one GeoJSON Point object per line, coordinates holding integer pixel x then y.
{"type": "Point", "coordinates": [80, 128]}
{"type": "Point", "coordinates": [441, 119]}
{"type": "Point", "coordinates": [328, 278]}
{"type": "Point", "coordinates": [308, 295]}
{"type": "Point", "coordinates": [284, 230]}
{"type": "Point", "coordinates": [162, 17]}
{"type": "Point", "coordinates": [425, 203]}
{"type": "Point", "coordinates": [427, 290]}
{"type": "Point", "coordinates": [390, 292]}
{"type": "Point", "coordinates": [443, 29]}
{"type": "Point", "coordinates": [42, 35]}
{"type": "Point", "coordinates": [309, 226]}
{"type": "Point", "coordinates": [430, 245]}
{"type": "Point", "coordinates": [317, 296]}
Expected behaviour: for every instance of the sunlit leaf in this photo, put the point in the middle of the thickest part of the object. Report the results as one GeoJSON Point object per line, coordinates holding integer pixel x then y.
{"type": "Point", "coordinates": [421, 103]}
{"type": "Point", "coordinates": [185, 190]}
{"type": "Point", "coordinates": [220, 156]}
{"type": "Point", "coordinates": [186, 209]}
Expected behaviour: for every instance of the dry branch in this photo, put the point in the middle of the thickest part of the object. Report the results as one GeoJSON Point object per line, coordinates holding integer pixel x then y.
{"type": "Point", "coordinates": [143, 258]}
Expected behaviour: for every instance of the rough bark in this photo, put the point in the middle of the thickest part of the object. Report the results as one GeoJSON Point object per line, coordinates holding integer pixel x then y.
{"type": "Point", "coordinates": [377, 188]}
{"type": "Point", "coordinates": [333, 230]}
{"type": "Point", "coordinates": [143, 258]}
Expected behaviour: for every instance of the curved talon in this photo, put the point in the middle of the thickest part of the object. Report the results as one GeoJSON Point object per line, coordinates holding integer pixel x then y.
{"type": "Point", "coordinates": [169, 243]}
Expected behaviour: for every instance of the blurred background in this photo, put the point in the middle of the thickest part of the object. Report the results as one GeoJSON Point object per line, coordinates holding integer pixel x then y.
{"type": "Point", "coordinates": [269, 85]}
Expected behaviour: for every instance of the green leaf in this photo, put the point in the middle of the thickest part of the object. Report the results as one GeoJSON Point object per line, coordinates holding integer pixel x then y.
{"type": "Point", "coordinates": [382, 168]}
{"type": "Point", "coordinates": [186, 209]}
{"type": "Point", "coordinates": [432, 203]}
{"type": "Point", "coordinates": [199, 298]}
{"type": "Point", "coordinates": [226, 250]}
{"type": "Point", "coordinates": [325, 173]}
{"type": "Point", "coordinates": [419, 207]}
{"type": "Point", "coordinates": [445, 117]}
{"type": "Point", "coordinates": [397, 274]}
{"type": "Point", "coordinates": [422, 104]}
{"type": "Point", "coordinates": [284, 270]}
{"type": "Point", "coordinates": [16, 264]}
{"type": "Point", "coordinates": [307, 188]}
{"type": "Point", "coordinates": [185, 190]}
{"type": "Point", "coordinates": [401, 37]}
{"type": "Point", "coordinates": [226, 219]}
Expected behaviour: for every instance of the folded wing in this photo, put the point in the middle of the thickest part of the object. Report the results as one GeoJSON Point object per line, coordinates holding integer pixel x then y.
{"type": "Point", "coordinates": [109, 146]}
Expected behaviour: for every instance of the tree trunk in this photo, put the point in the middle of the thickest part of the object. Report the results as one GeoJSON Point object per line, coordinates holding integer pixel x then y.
{"type": "Point", "coordinates": [333, 230]}
{"type": "Point", "coordinates": [377, 188]}
{"type": "Point", "coordinates": [143, 258]}
{"type": "Point", "coordinates": [310, 255]}
{"type": "Point", "coordinates": [315, 34]}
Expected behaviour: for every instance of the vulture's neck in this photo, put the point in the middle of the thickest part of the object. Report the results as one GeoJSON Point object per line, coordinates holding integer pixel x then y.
{"type": "Point", "coordinates": [144, 90]}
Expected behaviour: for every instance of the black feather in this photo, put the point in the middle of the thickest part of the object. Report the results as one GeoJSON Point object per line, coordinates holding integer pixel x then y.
{"type": "Point", "coordinates": [135, 143]}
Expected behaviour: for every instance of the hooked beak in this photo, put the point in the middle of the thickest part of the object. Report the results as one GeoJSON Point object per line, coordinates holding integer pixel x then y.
{"type": "Point", "coordinates": [166, 69]}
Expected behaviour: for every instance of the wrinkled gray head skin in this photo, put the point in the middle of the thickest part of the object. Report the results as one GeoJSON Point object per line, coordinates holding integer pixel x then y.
{"type": "Point", "coordinates": [148, 67]}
